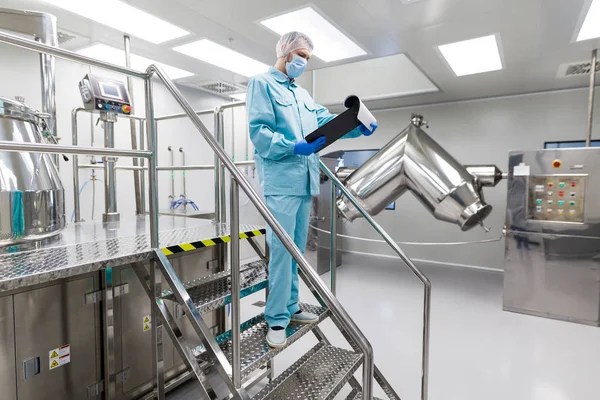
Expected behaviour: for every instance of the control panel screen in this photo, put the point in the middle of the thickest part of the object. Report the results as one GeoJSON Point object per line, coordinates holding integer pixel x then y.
{"type": "Point", "coordinates": [556, 198]}
{"type": "Point", "coordinates": [110, 90]}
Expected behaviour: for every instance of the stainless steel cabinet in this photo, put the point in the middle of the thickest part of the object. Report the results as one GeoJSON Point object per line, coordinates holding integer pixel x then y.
{"type": "Point", "coordinates": [8, 376]}
{"type": "Point", "coordinates": [48, 318]}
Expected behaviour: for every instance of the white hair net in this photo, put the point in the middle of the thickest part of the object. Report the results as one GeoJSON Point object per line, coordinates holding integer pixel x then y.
{"type": "Point", "coordinates": [293, 41]}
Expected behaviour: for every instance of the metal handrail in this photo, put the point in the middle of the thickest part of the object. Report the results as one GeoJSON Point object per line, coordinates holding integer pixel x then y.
{"type": "Point", "coordinates": [67, 55]}
{"type": "Point", "coordinates": [418, 273]}
{"type": "Point", "coordinates": [312, 277]}
{"type": "Point", "coordinates": [59, 149]}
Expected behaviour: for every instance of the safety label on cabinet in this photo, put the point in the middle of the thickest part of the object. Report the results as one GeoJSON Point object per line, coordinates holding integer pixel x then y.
{"type": "Point", "coordinates": [146, 323]}
{"type": "Point", "coordinates": [59, 356]}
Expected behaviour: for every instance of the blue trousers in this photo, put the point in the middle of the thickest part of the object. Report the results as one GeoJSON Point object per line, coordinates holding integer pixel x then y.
{"type": "Point", "coordinates": [293, 213]}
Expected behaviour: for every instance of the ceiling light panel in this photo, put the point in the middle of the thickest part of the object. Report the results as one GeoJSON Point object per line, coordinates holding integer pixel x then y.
{"type": "Point", "coordinates": [473, 56]}
{"type": "Point", "coordinates": [223, 57]}
{"type": "Point", "coordinates": [330, 43]}
{"type": "Point", "coordinates": [591, 25]}
{"type": "Point", "coordinates": [123, 17]}
{"type": "Point", "coordinates": [116, 56]}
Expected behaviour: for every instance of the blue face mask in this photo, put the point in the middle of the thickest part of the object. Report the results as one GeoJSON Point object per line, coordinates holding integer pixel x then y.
{"type": "Point", "coordinates": [296, 67]}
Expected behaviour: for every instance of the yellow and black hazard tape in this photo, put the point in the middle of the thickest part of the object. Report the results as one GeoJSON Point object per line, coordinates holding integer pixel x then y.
{"type": "Point", "coordinates": [180, 248]}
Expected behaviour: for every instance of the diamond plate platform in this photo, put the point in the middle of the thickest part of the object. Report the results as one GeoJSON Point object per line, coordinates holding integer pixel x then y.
{"type": "Point", "coordinates": [356, 395]}
{"type": "Point", "coordinates": [214, 291]}
{"type": "Point", "coordinates": [90, 246]}
{"type": "Point", "coordinates": [319, 375]}
{"type": "Point", "coordinates": [254, 350]}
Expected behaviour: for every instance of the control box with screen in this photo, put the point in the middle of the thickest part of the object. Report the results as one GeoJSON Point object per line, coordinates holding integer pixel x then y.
{"type": "Point", "coordinates": [556, 198]}
{"type": "Point", "coordinates": [104, 94]}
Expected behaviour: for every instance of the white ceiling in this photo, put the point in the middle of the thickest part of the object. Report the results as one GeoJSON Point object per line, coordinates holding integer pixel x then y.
{"type": "Point", "coordinates": [536, 37]}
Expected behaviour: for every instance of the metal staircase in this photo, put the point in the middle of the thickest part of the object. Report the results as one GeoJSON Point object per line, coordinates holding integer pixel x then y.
{"type": "Point", "coordinates": [226, 362]}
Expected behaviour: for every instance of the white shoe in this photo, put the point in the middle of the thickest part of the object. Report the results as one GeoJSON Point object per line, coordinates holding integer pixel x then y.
{"type": "Point", "coordinates": [304, 317]}
{"type": "Point", "coordinates": [276, 339]}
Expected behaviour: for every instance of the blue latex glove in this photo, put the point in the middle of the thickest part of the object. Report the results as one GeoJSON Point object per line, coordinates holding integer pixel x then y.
{"type": "Point", "coordinates": [365, 131]}
{"type": "Point", "coordinates": [303, 148]}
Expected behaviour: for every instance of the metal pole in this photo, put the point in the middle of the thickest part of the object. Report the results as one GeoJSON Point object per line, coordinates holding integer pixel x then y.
{"type": "Point", "coordinates": [18, 147]}
{"type": "Point", "coordinates": [143, 174]}
{"type": "Point", "coordinates": [220, 168]}
{"type": "Point", "coordinates": [47, 70]}
{"type": "Point", "coordinates": [333, 240]}
{"type": "Point", "coordinates": [76, 199]}
{"type": "Point", "coordinates": [184, 173]}
{"type": "Point", "coordinates": [155, 274]}
{"type": "Point", "coordinates": [313, 279]}
{"type": "Point", "coordinates": [172, 157]}
{"type": "Point", "coordinates": [132, 128]}
{"type": "Point", "coordinates": [110, 174]}
{"type": "Point", "coordinates": [235, 284]}
{"type": "Point", "coordinates": [588, 140]}
{"type": "Point", "coordinates": [217, 164]}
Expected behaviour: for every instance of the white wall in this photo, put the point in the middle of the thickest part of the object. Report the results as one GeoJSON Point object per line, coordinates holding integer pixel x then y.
{"type": "Point", "coordinates": [475, 132]}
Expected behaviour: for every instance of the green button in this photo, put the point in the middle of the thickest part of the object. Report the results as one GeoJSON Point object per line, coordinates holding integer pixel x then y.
{"type": "Point", "coordinates": [572, 203]}
{"type": "Point", "coordinates": [561, 184]}
{"type": "Point", "coordinates": [539, 201]}
{"type": "Point", "coordinates": [560, 203]}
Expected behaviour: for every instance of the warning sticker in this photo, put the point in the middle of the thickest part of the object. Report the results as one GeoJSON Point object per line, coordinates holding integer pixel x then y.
{"type": "Point", "coordinates": [60, 356]}
{"type": "Point", "coordinates": [146, 323]}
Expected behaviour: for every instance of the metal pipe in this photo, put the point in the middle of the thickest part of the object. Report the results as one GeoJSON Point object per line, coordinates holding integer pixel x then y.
{"type": "Point", "coordinates": [232, 136]}
{"type": "Point", "coordinates": [220, 169]}
{"type": "Point", "coordinates": [333, 241]}
{"type": "Point", "coordinates": [155, 274]}
{"type": "Point", "coordinates": [182, 115]}
{"type": "Point", "coordinates": [418, 273]}
{"type": "Point", "coordinates": [588, 140]}
{"type": "Point", "coordinates": [143, 174]}
{"type": "Point", "coordinates": [110, 175]}
{"type": "Point", "coordinates": [183, 175]}
{"type": "Point", "coordinates": [311, 276]}
{"type": "Point", "coordinates": [118, 167]}
{"type": "Point", "coordinates": [186, 168]}
{"type": "Point", "coordinates": [59, 149]}
{"type": "Point", "coordinates": [74, 139]}
{"type": "Point", "coordinates": [67, 55]}
{"type": "Point", "coordinates": [235, 284]}
{"type": "Point", "coordinates": [172, 157]}
{"type": "Point", "coordinates": [132, 128]}
{"type": "Point", "coordinates": [42, 27]}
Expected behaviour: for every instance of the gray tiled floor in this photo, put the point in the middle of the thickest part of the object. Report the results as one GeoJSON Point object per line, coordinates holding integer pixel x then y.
{"type": "Point", "coordinates": [478, 351]}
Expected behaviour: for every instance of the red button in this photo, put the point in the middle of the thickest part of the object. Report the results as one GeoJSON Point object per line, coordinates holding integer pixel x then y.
{"type": "Point", "coordinates": [126, 109]}
{"type": "Point", "coordinates": [550, 184]}
{"type": "Point", "coordinates": [573, 184]}
{"type": "Point", "coordinates": [556, 164]}
{"type": "Point", "coordinates": [561, 193]}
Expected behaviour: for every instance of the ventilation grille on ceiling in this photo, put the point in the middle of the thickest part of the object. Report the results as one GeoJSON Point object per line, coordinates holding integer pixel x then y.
{"type": "Point", "coordinates": [576, 69]}
{"type": "Point", "coordinates": [70, 40]}
{"type": "Point", "coordinates": [220, 87]}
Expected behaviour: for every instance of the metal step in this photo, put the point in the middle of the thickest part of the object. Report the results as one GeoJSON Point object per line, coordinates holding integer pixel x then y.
{"type": "Point", "coordinates": [254, 350]}
{"type": "Point", "coordinates": [214, 291]}
{"type": "Point", "coordinates": [357, 395]}
{"type": "Point", "coordinates": [319, 375]}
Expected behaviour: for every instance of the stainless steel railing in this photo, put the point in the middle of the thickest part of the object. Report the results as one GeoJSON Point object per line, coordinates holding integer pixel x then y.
{"type": "Point", "coordinates": [338, 312]}
{"type": "Point", "coordinates": [419, 274]}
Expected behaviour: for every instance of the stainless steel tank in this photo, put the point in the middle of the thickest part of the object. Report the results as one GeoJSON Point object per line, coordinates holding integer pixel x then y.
{"type": "Point", "coordinates": [32, 205]}
{"type": "Point", "coordinates": [414, 161]}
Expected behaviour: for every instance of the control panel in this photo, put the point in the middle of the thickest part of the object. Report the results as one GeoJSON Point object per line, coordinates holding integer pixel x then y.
{"type": "Point", "coordinates": [104, 94]}
{"type": "Point", "coordinates": [556, 198]}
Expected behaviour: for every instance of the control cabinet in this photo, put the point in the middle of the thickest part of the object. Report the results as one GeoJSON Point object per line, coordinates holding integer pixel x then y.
{"type": "Point", "coordinates": [552, 258]}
